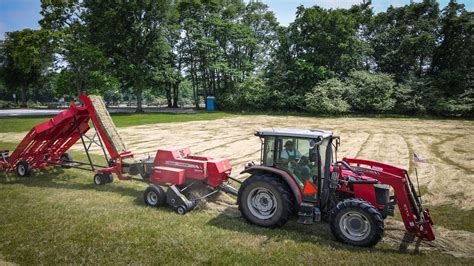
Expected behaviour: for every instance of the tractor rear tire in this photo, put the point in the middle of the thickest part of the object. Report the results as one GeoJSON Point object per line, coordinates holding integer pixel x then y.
{"type": "Point", "coordinates": [154, 196]}
{"type": "Point", "coordinates": [23, 169]}
{"type": "Point", "coordinates": [356, 222]}
{"type": "Point", "coordinates": [265, 200]}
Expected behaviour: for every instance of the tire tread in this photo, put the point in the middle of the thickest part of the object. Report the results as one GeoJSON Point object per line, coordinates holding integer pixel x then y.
{"type": "Point", "coordinates": [282, 188]}
{"type": "Point", "coordinates": [356, 203]}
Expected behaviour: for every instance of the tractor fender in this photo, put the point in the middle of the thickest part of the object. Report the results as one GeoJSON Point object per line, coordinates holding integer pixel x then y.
{"type": "Point", "coordinates": [282, 174]}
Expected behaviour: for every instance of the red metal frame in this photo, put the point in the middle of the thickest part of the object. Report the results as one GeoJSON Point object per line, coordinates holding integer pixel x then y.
{"type": "Point", "coordinates": [46, 142]}
{"type": "Point", "coordinates": [169, 161]}
{"type": "Point", "coordinates": [416, 219]}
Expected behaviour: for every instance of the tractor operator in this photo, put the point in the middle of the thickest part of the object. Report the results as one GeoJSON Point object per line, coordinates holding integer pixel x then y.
{"type": "Point", "coordinates": [289, 154]}
{"type": "Point", "coordinates": [292, 158]}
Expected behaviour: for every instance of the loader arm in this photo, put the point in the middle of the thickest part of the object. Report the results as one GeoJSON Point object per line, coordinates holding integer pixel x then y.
{"type": "Point", "coordinates": [416, 219]}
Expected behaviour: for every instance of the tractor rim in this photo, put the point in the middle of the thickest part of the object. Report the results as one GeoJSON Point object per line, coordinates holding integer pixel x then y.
{"type": "Point", "coordinates": [97, 179]}
{"type": "Point", "coordinates": [152, 198]}
{"type": "Point", "coordinates": [21, 170]}
{"type": "Point", "coordinates": [355, 226]}
{"type": "Point", "coordinates": [262, 203]}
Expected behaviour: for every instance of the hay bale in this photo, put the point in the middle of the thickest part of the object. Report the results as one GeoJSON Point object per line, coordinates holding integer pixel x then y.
{"type": "Point", "coordinates": [107, 124]}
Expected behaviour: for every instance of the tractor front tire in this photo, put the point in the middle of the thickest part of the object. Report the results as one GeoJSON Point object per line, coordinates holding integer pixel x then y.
{"type": "Point", "coordinates": [23, 169]}
{"type": "Point", "coordinates": [154, 196]}
{"type": "Point", "coordinates": [356, 222]}
{"type": "Point", "coordinates": [265, 200]}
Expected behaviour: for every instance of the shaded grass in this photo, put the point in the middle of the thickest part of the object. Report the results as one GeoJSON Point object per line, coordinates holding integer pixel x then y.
{"type": "Point", "coordinates": [21, 124]}
{"type": "Point", "coordinates": [58, 216]}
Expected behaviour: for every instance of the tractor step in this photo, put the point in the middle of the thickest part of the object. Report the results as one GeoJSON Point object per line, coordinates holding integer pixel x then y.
{"type": "Point", "coordinates": [308, 213]}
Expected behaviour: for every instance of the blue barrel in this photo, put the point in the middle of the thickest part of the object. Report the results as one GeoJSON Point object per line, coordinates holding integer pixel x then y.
{"type": "Point", "coordinates": [211, 103]}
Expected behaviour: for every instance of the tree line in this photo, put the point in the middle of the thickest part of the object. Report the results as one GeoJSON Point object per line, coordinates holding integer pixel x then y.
{"type": "Point", "coordinates": [414, 59]}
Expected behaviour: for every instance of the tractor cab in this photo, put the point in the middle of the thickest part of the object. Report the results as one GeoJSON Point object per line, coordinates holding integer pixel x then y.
{"type": "Point", "coordinates": [305, 154]}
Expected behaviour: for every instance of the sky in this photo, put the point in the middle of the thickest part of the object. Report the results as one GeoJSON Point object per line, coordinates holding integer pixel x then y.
{"type": "Point", "coordinates": [20, 14]}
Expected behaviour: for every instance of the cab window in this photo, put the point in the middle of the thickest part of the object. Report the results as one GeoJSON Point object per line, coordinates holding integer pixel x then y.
{"type": "Point", "coordinates": [293, 154]}
{"type": "Point", "coordinates": [268, 151]}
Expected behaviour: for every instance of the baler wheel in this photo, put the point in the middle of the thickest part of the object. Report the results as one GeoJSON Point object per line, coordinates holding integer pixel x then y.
{"type": "Point", "coordinates": [356, 222]}
{"type": "Point", "coordinates": [154, 196]}
{"type": "Point", "coordinates": [100, 179]}
{"type": "Point", "coordinates": [23, 169]}
{"type": "Point", "coordinates": [181, 210]}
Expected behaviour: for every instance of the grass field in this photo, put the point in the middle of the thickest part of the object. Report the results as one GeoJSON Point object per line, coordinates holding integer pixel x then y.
{"type": "Point", "coordinates": [12, 124]}
{"type": "Point", "coordinates": [58, 215]}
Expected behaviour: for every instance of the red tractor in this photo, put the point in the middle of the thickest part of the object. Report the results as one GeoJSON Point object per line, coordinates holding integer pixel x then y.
{"type": "Point", "coordinates": [299, 175]}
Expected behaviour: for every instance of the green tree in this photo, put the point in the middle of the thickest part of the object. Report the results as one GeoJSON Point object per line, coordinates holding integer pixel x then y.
{"type": "Point", "coordinates": [132, 35]}
{"type": "Point", "coordinates": [83, 65]}
{"type": "Point", "coordinates": [328, 97]}
{"type": "Point", "coordinates": [224, 43]}
{"type": "Point", "coordinates": [453, 64]}
{"type": "Point", "coordinates": [27, 56]}
{"type": "Point", "coordinates": [318, 45]}
{"type": "Point", "coordinates": [404, 38]}
{"type": "Point", "coordinates": [371, 92]}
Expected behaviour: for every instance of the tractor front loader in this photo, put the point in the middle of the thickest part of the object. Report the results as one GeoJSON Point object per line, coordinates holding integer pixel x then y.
{"type": "Point", "coordinates": [300, 175]}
